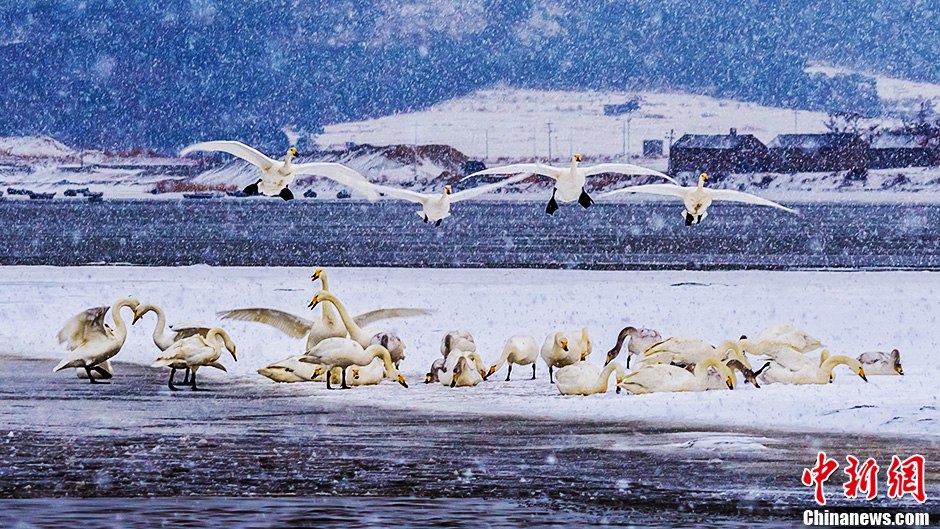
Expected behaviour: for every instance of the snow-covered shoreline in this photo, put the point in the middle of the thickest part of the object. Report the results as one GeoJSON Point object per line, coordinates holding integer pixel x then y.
{"type": "Point", "coordinates": [851, 312]}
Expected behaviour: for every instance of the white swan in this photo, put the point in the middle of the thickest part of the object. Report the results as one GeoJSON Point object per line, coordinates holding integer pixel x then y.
{"type": "Point", "coordinates": [519, 350]}
{"type": "Point", "coordinates": [105, 367]}
{"type": "Point", "coordinates": [697, 199]}
{"type": "Point", "coordinates": [460, 340]}
{"type": "Point", "coordinates": [160, 338]}
{"type": "Point", "coordinates": [391, 341]}
{"type": "Point", "coordinates": [449, 373]}
{"type": "Point", "coordinates": [685, 351]}
{"type": "Point", "coordinates": [464, 374]}
{"type": "Point", "coordinates": [356, 332]}
{"type": "Point", "coordinates": [343, 352]}
{"type": "Point", "coordinates": [714, 377]}
{"type": "Point", "coordinates": [791, 335]}
{"type": "Point", "coordinates": [292, 369]}
{"type": "Point", "coordinates": [91, 342]}
{"type": "Point", "coordinates": [195, 352]}
{"type": "Point", "coordinates": [436, 207]}
{"type": "Point", "coordinates": [639, 341]}
{"type": "Point", "coordinates": [329, 325]}
{"type": "Point", "coordinates": [881, 363]}
{"type": "Point", "coordinates": [659, 378]}
{"type": "Point", "coordinates": [277, 175]}
{"type": "Point", "coordinates": [569, 181]}
{"type": "Point", "coordinates": [437, 367]}
{"type": "Point", "coordinates": [559, 351]}
{"type": "Point", "coordinates": [809, 374]}
{"type": "Point", "coordinates": [368, 375]}
{"type": "Point", "coordinates": [585, 378]}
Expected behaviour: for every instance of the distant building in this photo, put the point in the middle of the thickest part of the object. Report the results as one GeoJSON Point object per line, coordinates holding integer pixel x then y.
{"type": "Point", "coordinates": [653, 148]}
{"type": "Point", "coordinates": [900, 150]}
{"type": "Point", "coordinates": [834, 151]}
{"type": "Point", "coordinates": [622, 108]}
{"type": "Point", "coordinates": [718, 154]}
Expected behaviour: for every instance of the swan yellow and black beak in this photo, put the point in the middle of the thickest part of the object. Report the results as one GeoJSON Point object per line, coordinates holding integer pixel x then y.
{"type": "Point", "coordinates": [490, 372]}
{"type": "Point", "coordinates": [861, 373]}
{"type": "Point", "coordinates": [584, 356]}
{"type": "Point", "coordinates": [313, 302]}
{"type": "Point", "coordinates": [293, 151]}
{"type": "Point", "coordinates": [317, 372]}
{"type": "Point", "coordinates": [704, 176]}
{"type": "Point", "coordinates": [577, 157]}
{"type": "Point", "coordinates": [483, 374]}
{"type": "Point", "coordinates": [316, 274]}
{"type": "Point", "coordinates": [136, 318]}
{"type": "Point", "coordinates": [428, 378]}
{"type": "Point", "coordinates": [564, 344]}
{"type": "Point", "coordinates": [355, 374]}
{"type": "Point", "coordinates": [899, 369]}
{"type": "Point", "coordinates": [401, 380]}
{"type": "Point", "coordinates": [232, 350]}
{"type": "Point", "coordinates": [730, 382]}
{"type": "Point", "coordinates": [447, 190]}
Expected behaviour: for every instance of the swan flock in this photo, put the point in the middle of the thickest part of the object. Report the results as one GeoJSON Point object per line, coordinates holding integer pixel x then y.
{"type": "Point", "coordinates": [346, 351]}
{"type": "Point", "coordinates": [569, 183]}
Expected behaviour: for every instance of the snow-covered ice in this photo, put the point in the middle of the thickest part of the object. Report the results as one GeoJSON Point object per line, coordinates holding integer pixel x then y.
{"type": "Point", "coordinates": [851, 312]}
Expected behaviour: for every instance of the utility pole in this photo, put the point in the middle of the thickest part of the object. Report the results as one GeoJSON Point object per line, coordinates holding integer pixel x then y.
{"type": "Point", "coordinates": [486, 151]}
{"type": "Point", "coordinates": [627, 149]}
{"type": "Point", "coordinates": [623, 139]}
{"type": "Point", "coordinates": [795, 115]}
{"type": "Point", "coordinates": [549, 142]}
{"type": "Point", "coordinates": [415, 148]}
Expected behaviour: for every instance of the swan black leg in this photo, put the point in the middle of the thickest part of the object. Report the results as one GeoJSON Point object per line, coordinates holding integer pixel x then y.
{"type": "Point", "coordinates": [585, 199]}
{"type": "Point", "coordinates": [552, 204]}
{"type": "Point", "coordinates": [688, 219]}
{"type": "Point", "coordinates": [425, 219]}
{"type": "Point", "coordinates": [172, 374]}
{"type": "Point", "coordinates": [192, 382]}
{"type": "Point", "coordinates": [344, 386]}
{"type": "Point", "coordinates": [186, 376]}
{"type": "Point", "coordinates": [551, 379]}
{"type": "Point", "coordinates": [508, 373]}
{"type": "Point", "coordinates": [91, 379]}
{"type": "Point", "coordinates": [252, 189]}
{"type": "Point", "coordinates": [104, 373]}
{"type": "Point", "coordinates": [329, 375]}
{"type": "Point", "coordinates": [439, 221]}
{"type": "Point", "coordinates": [533, 370]}
{"type": "Point", "coordinates": [286, 194]}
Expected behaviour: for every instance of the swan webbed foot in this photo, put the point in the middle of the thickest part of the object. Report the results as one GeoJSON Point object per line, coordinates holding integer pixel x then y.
{"type": "Point", "coordinates": [438, 223]}
{"type": "Point", "coordinates": [552, 205]}
{"type": "Point", "coordinates": [425, 219]}
{"type": "Point", "coordinates": [252, 189]}
{"type": "Point", "coordinates": [688, 219]}
{"type": "Point", "coordinates": [533, 370]}
{"type": "Point", "coordinates": [92, 379]}
{"type": "Point", "coordinates": [286, 194]}
{"type": "Point", "coordinates": [509, 372]}
{"type": "Point", "coordinates": [585, 199]}
{"type": "Point", "coordinates": [343, 385]}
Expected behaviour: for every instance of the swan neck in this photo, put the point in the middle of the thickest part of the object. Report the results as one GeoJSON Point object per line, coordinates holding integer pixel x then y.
{"type": "Point", "coordinates": [377, 351]}
{"type": "Point", "coordinates": [328, 310]}
{"type": "Point", "coordinates": [354, 331]}
{"type": "Point", "coordinates": [120, 328]}
{"type": "Point", "coordinates": [159, 331]}
{"type": "Point", "coordinates": [604, 379]}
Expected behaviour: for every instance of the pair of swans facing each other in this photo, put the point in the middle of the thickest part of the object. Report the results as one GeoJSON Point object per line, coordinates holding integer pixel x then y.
{"type": "Point", "coordinates": [562, 349]}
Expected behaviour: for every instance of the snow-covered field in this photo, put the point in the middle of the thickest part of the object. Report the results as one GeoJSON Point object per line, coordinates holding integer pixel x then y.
{"type": "Point", "coordinates": [849, 311]}
{"type": "Point", "coordinates": [513, 123]}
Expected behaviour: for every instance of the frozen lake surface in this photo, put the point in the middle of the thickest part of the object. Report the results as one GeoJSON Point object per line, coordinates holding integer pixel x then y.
{"type": "Point", "coordinates": [507, 234]}
{"type": "Point", "coordinates": [140, 455]}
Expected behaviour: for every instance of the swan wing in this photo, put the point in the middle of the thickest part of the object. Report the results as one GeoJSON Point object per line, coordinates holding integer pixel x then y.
{"type": "Point", "coordinates": [235, 148]}
{"type": "Point", "coordinates": [626, 168]}
{"type": "Point", "coordinates": [669, 190]}
{"type": "Point", "coordinates": [467, 194]}
{"type": "Point", "coordinates": [187, 331]}
{"type": "Point", "coordinates": [402, 194]}
{"type": "Point", "coordinates": [84, 327]}
{"type": "Point", "coordinates": [285, 322]}
{"type": "Point", "coordinates": [340, 173]}
{"type": "Point", "coordinates": [368, 318]}
{"type": "Point", "coordinates": [530, 168]}
{"type": "Point", "coordinates": [737, 196]}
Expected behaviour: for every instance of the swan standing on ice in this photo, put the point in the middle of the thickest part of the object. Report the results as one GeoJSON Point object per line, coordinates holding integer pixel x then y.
{"type": "Point", "coordinates": [585, 378]}
{"type": "Point", "coordinates": [809, 373]}
{"type": "Point", "coordinates": [160, 338]}
{"type": "Point", "coordinates": [520, 350]}
{"type": "Point", "coordinates": [640, 340]}
{"type": "Point", "coordinates": [569, 181]}
{"type": "Point", "coordinates": [363, 337]}
{"type": "Point", "coordinates": [659, 378]}
{"type": "Point", "coordinates": [881, 363]}
{"type": "Point", "coordinates": [277, 175]}
{"type": "Point", "coordinates": [91, 342]}
{"type": "Point", "coordinates": [436, 207]}
{"type": "Point", "coordinates": [697, 199]}
{"type": "Point", "coordinates": [343, 352]}
{"type": "Point", "coordinates": [195, 352]}
{"type": "Point", "coordinates": [558, 351]}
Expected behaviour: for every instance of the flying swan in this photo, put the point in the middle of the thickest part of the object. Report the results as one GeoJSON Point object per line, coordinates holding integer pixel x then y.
{"type": "Point", "coordinates": [277, 175]}
{"type": "Point", "coordinates": [697, 199]}
{"type": "Point", "coordinates": [569, 181]}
